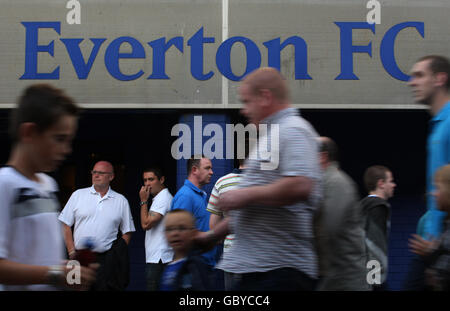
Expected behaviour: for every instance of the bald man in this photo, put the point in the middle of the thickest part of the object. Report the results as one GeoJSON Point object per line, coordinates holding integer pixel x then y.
{"type": "Point", "coordinates": [98, 212]}
{"type": "Point", "coordinates": [271, 214]}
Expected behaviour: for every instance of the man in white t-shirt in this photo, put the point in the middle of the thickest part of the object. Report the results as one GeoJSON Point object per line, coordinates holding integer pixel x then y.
{"type": "Point", "coordinates": [97, 213]}
{"type": "Point", "coordinates": [157, 250]}
{"type": "Point", "coordinates": [42, 128]}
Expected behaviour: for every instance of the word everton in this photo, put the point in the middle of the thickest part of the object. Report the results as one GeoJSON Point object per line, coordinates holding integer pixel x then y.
{"type": "Point", "coordinates": [113, 53]}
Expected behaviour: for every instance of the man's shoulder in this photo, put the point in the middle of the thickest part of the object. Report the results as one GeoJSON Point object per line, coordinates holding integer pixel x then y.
{"type": "Point", "coordinates": [296, 124]}
{"type": "Point", "coordinates": [82, 191]}
{"type": "Point", "coordinates": [338, 176]}
{"type": "Point", "coordinates": [373, 201]}
{"type": "Point", "coordinates": [118, 196]}
{"type": "Point", "coordinates": [183, 198]}
{"type": "Point", "coordinates": [228, 179]}
{"type": "Point", "coordinates": [9, 176]}
{"type": "Point", "coordinates": [163, 196]}
{"type": "Point", "coordinates": [184, 190]}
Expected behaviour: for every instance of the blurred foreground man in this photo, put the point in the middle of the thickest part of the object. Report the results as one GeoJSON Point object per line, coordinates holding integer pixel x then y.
{"type": "Point", "coordinates": [430, 83]}
{"type": "Point", "coordinates": [271, 214]}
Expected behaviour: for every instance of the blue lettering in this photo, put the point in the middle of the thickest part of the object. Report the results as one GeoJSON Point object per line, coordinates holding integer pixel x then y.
{"type": "Point", "coordinates": [113, 55]}
{"type": "Point", "coordinates": [196, 44]}
{"type": "Point", "coordinates": [301, 55]}
{"type": "Point", "coordinates": [223, 60]}
{"type": "Point", "coordinates": [73, 48]}
{"type": "Point", "coordinates": [160, 48]}
{"type": "Point", "coordinates": [32, 49]}
{"type": "Point", "coordinates": [387, 48]}
{"type": "Point", "coordinates": [347, 47]}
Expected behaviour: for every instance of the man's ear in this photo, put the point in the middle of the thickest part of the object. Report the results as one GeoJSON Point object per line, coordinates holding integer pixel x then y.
{"type": "Point", "coordinates": [27, 131]}
{"type": "Point", "coordinates": [194, 170]}
{"type": "Point", "coordinates": [380, 183]}
{"type": "Point", "coordinates": [162, 180]}
{"type": "Point", "coordinates": [266, 96]}
{"type": "Point", "coordinates": [441, 79]}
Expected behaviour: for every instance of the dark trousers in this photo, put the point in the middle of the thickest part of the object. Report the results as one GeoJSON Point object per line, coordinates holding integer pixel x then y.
{"type": "Point", "coordinates": [153, 273]}
{"type": "Point", "coordinates": [101, 280]}
{"type": "Point", "coordinates": [415, 279]}
{"type": "Point", "coordinates": [283, 279]}
{"type": "Point", "coordinates": [229, 280]}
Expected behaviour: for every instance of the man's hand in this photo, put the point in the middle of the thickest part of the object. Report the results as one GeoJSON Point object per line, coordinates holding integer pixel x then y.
{"type": "Point", "coordinates": [144, 193]}
{"type": "Point", "coordinates": [420, 246]}
{"type": "Point", "coordinates": [205, 240]}
{"type": "Point", "coordinates": [87, 277]}
{"type": "Point", "coordinates": [73, 255]}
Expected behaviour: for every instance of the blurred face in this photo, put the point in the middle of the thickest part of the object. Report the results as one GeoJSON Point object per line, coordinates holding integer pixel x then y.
{"type": "Point", "coordinates": [152, 183]}
{"type": "Point", "coordinates": [50, 147]}
{"type": "Point", "coordinates": [102, 175]}
{"type": "Point", "coordinates": [389, 185]}
{"type": "Point", "coordinates": [252, 108]}
{"type": "Point", "coordinates": [204, 171]}
{"type": "Point", "coordinates": [180, 231]}
{"type": "Point", "coordinates": [422, 82]}
{"type": "Point", "coordinates": [441, 196]}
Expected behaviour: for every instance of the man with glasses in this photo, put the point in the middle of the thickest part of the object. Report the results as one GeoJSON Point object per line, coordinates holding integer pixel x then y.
{"type": "Point", "coordinates": [98, 212]}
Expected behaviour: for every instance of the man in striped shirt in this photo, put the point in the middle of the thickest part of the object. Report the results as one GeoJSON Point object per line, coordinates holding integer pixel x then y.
{"type": "Point", "coordinates": [224, 184]}
{"type": "Point", "coordinates": [271, 214]}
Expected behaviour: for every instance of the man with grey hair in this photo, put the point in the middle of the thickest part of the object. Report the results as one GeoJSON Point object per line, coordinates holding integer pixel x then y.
{"type": "Point", "coordinates": [97, 213]}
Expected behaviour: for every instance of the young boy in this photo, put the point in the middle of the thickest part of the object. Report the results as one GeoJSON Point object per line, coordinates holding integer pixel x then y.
{"type": "Point", "coordinates": [436, 254]}
{"type": "Point", "coordinates": [187, 271]}
{"type": "Point", "coordinates": [31, 247]}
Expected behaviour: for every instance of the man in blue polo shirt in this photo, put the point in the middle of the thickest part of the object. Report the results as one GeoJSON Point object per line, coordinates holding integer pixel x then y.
{"type": "Point", "coordinates": [190, 197]}
{"type": "Point", "coordinates": [430, 82]}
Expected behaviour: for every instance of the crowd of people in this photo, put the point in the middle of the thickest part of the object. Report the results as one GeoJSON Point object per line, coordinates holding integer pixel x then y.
{"type": "Point", "coordinates": [299, 226]}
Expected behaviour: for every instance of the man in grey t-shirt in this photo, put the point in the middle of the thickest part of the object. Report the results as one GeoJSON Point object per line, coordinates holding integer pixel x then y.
{"type": "Point", "coordinates": [271, 213]}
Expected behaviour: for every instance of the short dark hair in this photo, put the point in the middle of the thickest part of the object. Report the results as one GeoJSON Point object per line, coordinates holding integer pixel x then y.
{"type": "Point", "coordinates": [330, 147]}
{"type": "Point", "coordinates": [439, 64]}
{"type": "Point", "coordinates": [43, 105]}
{"type": "Point", "coordinates": [373, 174]}
{"type": "Point", "coordinates": [194, 160]}
{"type": "Point", "coordinates": [155, 170]}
